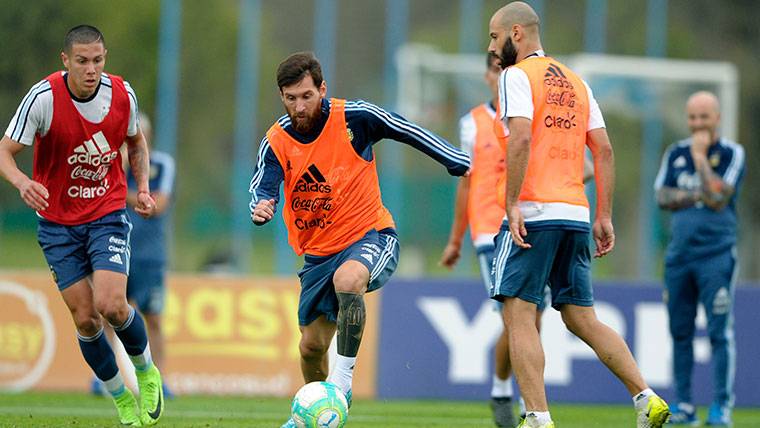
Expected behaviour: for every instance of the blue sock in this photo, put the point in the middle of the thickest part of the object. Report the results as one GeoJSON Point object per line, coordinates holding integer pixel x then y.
{"type": "Point", "coordinates": [99, 355]}
{"type": "Point", "coordinates": [134, 337]}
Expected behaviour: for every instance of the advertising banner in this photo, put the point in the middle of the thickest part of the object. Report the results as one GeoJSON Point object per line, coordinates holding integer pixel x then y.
{"type": "Point", "coordinates": [224, 335]}
{"type": "Point", "coordinates": [438, 336]}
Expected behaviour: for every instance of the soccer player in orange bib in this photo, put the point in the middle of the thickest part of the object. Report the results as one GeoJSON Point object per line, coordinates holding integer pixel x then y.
{"type": "Point", "coordinates": [479, 204]}
{"type": "Point", "coordinates": [322, 151]}
{"type": "Point", "coordinates": [552, 116]}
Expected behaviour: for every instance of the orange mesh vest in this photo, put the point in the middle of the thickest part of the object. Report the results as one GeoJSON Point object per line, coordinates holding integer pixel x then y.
{"type": "Point", "coordinates": [483, 210]}
{"type": "Point", "coordinates": [560, 123]}
{"type": "Point", "coordinates": [332, 195]}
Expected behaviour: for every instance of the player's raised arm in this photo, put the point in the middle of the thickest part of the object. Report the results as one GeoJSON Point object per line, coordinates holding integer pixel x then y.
{"type": "Point", "coordinates": [717, 190]}
{"type": "Point", "coordinates": [265, 185]}
{"type": "Point", "coordinates": [382, 124]}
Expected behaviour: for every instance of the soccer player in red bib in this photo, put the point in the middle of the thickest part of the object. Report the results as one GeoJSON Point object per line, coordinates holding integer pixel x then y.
{"type": "Point", "coordinates": [322, 152]}
{"type": "Point", "coordinates": [77, 120]}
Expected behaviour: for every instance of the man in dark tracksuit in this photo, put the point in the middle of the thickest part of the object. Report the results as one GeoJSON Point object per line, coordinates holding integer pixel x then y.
{"type": "Point", "coordinates": [698, 181]}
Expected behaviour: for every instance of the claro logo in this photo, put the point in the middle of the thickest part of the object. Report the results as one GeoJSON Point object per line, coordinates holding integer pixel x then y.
{"type": "Point", "coordinates": [27, 336]}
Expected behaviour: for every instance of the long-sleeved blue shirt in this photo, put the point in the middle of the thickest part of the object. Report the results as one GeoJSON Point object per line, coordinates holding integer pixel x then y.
{"type": "Point", "coordinates": [369, 124]}
{"type": "Point", "coordinates": [699, 231]}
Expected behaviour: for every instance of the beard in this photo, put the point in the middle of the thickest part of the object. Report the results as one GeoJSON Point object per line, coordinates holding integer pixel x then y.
{"type": "Point", "coordinates": [303, 123]}
{"type": "Point", "coordinates": [508, 54]}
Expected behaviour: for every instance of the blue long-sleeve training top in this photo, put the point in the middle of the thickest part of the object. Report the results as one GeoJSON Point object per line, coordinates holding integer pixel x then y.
{"type": "Point", "coordinates": [369, 124]}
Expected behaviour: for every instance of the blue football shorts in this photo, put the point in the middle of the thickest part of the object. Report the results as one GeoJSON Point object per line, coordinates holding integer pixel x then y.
{"type": "Point", "coordinates": [378, 251]}
{"type": "Point", "coordinates": [146, 286]}
{"type": "Point", "coordinates": [560, 258]}
{"type": "Point", "coordinates": [74, 252]}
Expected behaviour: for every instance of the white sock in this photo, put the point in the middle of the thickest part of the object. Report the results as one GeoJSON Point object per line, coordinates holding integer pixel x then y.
{"type": "Point", "coordinates": [501, 387]}
{"type": "Point", "coordinates": [143, 361]}
{"type": "Point", "coordinates": [641, 399]}
{"type": "Point", "coordinates": [115, 385]}
{"type": "Point", "coordinates": [343, 372]}
{"type": "Point", "coordinates": [536, 419]}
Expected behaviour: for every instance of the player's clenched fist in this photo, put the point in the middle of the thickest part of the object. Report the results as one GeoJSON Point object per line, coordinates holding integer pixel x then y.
{"type": "Point", "coordinates": [263, 212]}
{"type": "Point", "coordinates": [146, 206]}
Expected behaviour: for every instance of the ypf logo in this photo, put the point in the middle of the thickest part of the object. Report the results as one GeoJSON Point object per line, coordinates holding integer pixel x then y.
{"type": "Point", "coordinates": [27, 337]}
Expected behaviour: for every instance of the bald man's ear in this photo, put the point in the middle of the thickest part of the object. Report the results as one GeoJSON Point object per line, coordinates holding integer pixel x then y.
{"type": "Point", "coordinates": [517, 32]}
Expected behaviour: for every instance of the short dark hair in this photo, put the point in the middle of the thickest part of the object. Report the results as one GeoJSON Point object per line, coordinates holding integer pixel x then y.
{"type": "Point", "coordinates": [296, 67]}
{"type": "Point", "coordinates": [82, 34]}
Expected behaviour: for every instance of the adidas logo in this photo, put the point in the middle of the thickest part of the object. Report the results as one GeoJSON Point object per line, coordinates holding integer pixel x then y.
{"type": "Point", "coordinates": [95, 151]}
{"type": "Point", "coordinates": [554, 76]}
{"type": "Point", "coordinates": [116, 258]}
{"type": "Point", "coordinates": [554, 71]}
{"type": "Point", "coordinates": [312, 181]}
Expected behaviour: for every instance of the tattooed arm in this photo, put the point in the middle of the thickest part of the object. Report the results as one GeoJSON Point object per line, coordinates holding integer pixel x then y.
{"type": "Point", "coordinates": [672, 198]}
{"type": "Point", "coordinates": [139, 163]}
{"type": "Point", "coordinates": [716, 193]}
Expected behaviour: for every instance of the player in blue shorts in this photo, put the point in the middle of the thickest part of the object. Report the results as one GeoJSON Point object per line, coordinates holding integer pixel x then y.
{"type": "Point", "coordinates": [552, 116]}
{"type": "Point", "coordinates": [77, 121]}
{"type": "Point", "coordinates": [478, 206]}
{"type": "Point", "coordinates": [146, 285]}
{"type": "Point", "coordinates": [322, 154]}
{"type": "Point", "coordinates": [698, 181]}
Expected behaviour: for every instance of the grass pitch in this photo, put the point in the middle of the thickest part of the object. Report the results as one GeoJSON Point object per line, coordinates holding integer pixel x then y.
{"type": "Point", "coordinates": [41, 410]}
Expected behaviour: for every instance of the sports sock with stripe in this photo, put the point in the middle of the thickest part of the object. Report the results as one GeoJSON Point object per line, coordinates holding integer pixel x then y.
{"type": "Point", "coordinates": [99, 356]}
{"type": "Point", "coordinates": [135, 339]}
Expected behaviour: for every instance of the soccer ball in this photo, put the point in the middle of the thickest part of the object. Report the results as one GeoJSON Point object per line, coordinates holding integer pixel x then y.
{"type": "Point", "coordinates": [319, 405]}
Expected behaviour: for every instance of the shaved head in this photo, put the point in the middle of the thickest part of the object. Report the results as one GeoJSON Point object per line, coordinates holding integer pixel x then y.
{"type": "Point", "coordinates": [703, 113]}
{"type": "Point", "coordinates": [517, 13]}
{"type": "Point", "coordinates": [514, 34]}
{"type": "Point", "coordinates": [703, 99]}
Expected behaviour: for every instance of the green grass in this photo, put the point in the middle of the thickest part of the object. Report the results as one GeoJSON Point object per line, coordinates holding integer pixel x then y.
{"type": "Point", "coordinates": [78, 410]}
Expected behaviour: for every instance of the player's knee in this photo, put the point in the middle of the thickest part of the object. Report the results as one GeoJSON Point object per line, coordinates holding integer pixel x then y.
{"type": "Point", "coordinates": [313, 349]}
{"type": "Point", "coordinates": [351, 280]}
{"type": "Point", "coordinates": [115, 311]}
{"type": "Point", "coordinates": [579, 326]}
{"type": "Point", "coordinates": [88, 324]}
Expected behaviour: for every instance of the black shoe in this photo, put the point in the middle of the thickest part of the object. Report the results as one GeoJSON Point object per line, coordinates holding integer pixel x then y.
{"type": "Point", "coordinates": [502, 412]}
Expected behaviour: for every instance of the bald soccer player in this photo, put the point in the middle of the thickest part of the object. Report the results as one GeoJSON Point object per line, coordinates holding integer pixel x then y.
{"type": "Point", "coordinates": [551, 116]}
{"type": "Point", "coordinates": [698, 181]}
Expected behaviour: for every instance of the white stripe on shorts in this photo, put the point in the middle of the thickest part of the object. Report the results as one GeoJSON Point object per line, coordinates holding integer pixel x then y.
{"type": "Point", "coordinates": [501, 263]}
{"type": "Point", "coordinates": [485, 270]}
{"type": "Point", "coordinates": [385, 256]}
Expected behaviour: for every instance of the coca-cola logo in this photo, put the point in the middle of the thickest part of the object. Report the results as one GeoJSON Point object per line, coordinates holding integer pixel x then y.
{"type": "Point", "coordinates": [89, 174]}
{"type": "Point", "coordinates": [311, 205]}
{"type": "Point", "coordinates": [565, 98]}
